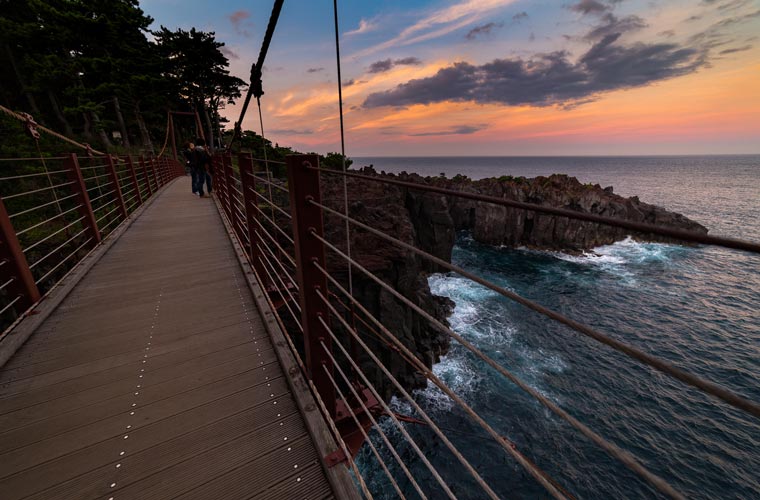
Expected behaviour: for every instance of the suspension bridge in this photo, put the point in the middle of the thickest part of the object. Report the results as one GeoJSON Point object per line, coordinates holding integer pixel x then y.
{"type": "Point", "coordinates": [157, 345]}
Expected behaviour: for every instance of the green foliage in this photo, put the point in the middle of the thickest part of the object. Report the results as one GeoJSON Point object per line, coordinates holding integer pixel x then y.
{"type": "Point", "coordinates": [196, 69]}
{"type": "Point", "coordinates": [86, 68]}
{"type": "Point", "coordinates": [334, 161]}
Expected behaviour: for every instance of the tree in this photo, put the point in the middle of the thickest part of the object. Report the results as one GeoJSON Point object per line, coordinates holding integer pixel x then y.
{"type": "Point", "coordinates": [197, 68]}
{"type": "Point", "coordinates": [78, 63]}
{"type": "Point", "coordinates": [86, 67]}
{"type": "Point", "coordinates": [334, 161]}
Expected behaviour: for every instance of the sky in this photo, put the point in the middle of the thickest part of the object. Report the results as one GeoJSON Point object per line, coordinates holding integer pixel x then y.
{"type": "Point", "coordinates": [496, 77]}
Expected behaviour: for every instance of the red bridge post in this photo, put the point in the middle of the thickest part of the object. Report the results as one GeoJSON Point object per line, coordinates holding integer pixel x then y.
{"type": "Point", "coordinates": [227, 175]}
{"type": "Point", "coordinates": [116, 187]}
{"type": "Point", "coordinates": [83, 198]}
{"type": "Point", "coordinates": [303, 183]}
{"type": "Point", "coordinates": [22, 283]}
{"type": "Point", "coordinates": [146, 177]}
{"type": "Point", "coordinates": [245, 163]}
{"type": "Point", "coordinates": [156, 180]}
{"type": "Point", "coordinates": [132, 173]}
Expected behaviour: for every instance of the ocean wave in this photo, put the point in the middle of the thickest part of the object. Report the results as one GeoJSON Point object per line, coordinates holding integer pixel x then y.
{"type": "Point", "coordinates": [482, 322]}
{"type": "Point", "coordinates": [624, 258]}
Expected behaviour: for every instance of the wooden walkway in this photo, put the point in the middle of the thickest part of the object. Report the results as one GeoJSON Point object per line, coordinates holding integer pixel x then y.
{"type": "Point", "coordinates": [156, 379]}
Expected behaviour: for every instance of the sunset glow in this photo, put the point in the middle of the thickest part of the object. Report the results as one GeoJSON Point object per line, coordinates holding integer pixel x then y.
{"type": "Point", "coordinates": [501, 77]}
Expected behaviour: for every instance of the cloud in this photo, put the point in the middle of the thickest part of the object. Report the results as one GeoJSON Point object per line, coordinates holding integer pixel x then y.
{"type": "Point", "coordinates": [364, 27]}
{"type": "Point", "coordinates": [732, 5]}
{"type": "Point", "coordinates": [240, 22]}
{"type": "Point", "coordinates": [737, 19]}
{"type": "Point", "coordinates": [484, 29]}
{"type": "Point", "coordinates": [408, 61]}
{"type": "Point", "coordinates": [735, 49]}
{"type": "Point", "coordinates": [289, 131]}
{"type": "Point", "coordinates": [348, 83]}
{"type": "Point", "coordinates": [549, 79]}
{"type": "Point", "coordinates": [715, 34]}
{"type": "Point", "coordinates": [589, 7]}
{"type": "Point", "coordinates": [519, 17]}
{"type": "Point", "coordinates": [387, 64]}
{"type": "Point", "coordinates": [228, 52]}
{"type": "Point", "coordinates": [612, 25]}
{"type": "Point", "coordinates": [381, 66]}
{"type": "Point", "coordinates": [439, 23]}
{"type": "Point", "coordinates": [460, 130]}
{"type": "Point", "coordinates": [315, 70]}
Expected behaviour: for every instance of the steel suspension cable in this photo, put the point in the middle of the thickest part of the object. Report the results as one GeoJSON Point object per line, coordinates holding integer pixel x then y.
{"type": "Point", "coordinates": [412, 365]}
{"type": "Point", "coordinates": [278, 228]}
{"type": "Point", "coordinates": [280, 210]}
{"type": "Point", "coordinates": [54, 202]}
{"type": "Point", "coordinates": [287, 274]}
{"type": "Point", "coordinates": [62, 137]}
{"type": "Point", "coordinates": [269, 266]}
{"type": "Point", "coordinates": [372, 419]}
{"type": "Point", "coordinates": [59, 247]}
{"type": "Point", "coordinates": [9, 305]}
{"type": "Point", "coordinates": [406, 395]}
{"type": "Point", "coordinates": [166, 138]}
{"type": "Point", "coordinates": [25, 176]}
{"type": "Point", "coordinates": [706, 386]}
{"type": "Point", "coordinates": [265, 181]}
{"type": "Point", "coordinates": [359, 426]}
{"type": "Point", "coordinates": [26, 230]}
{"type": "Point", "coordinates": [622, 455]}
{"type": "Point", "coordinates": [63, 261]}
{"type": "Point", "coordinates": [342, 144]}
{"type": "Point", "coordinates": [380, 400]}
{"type": "Point", "coordinates": [34, 191]}
{"type": "Point", "coordinates": [338, 437]}
{"type": "Point", "coordinates": [266, 160]}
{"type": "Point", "coordinates": [255, 86]}
{"type": "Point", "coordinates": [641, 227]}
{"type": "Point", "coordinates": [51, 235]}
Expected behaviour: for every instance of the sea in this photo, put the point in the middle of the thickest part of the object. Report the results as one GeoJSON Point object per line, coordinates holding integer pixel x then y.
{"type": "Point", "coordinates": [696, 307]}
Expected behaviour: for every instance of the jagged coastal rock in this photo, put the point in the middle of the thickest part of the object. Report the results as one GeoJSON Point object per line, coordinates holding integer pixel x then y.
{"type": "Point", "coordinates": [512, 227]}
{"type": "Point", "coordinates": [431, 221]}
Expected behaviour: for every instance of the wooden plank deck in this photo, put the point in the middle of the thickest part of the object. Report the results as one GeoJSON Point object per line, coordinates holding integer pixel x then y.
{"type": "Point", "coordinates": [155, 379]}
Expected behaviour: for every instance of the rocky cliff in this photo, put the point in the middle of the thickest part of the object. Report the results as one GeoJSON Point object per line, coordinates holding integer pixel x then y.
{"type": "Point", "coordinates": [437, 215]}
{"type": "Point", "coordinates": [430, 221]}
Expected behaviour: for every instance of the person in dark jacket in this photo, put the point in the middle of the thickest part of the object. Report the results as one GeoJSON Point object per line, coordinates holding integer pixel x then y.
{"type": "Point", "coordinates": [201, 164]}
{"type": "Point", "coordinates": [188, 154]}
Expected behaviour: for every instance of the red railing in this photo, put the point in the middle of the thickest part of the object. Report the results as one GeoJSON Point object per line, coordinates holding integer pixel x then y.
{"type": "Point", "coordinates": [280, 225]}
{"type": "Point", "coordinates": [54, 210]}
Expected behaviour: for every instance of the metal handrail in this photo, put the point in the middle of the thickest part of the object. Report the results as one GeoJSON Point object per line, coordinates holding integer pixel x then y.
{"type": "Point", "coordinates": [53, 234]}
{"type": "Point", "coordinates": [46, 188]}
{"type": "Point", "coordinates": [42, 259]}
{"type": "Point", "coordinates": [54, 202]}
{"type": "Point", "coordinates": [704, 385]}
{"type": "Point", "coordinates": [37, 174]}
{"type": "Point", "coordinates": [23, 231]}
{"type": "Point", "coordinates": [64, 260]}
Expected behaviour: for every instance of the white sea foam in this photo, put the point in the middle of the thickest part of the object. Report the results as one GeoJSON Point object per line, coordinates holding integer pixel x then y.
{"type": "Point", "coordinates": [487, 328]}
{"type": "Point", "coordinates": [621, 258]}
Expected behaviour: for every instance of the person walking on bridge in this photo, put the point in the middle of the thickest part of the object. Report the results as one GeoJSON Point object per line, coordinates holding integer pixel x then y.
{"type": "Point", "coordinates": [201, 165]}
{"type": "Point", "coordinates": [188, 154]}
